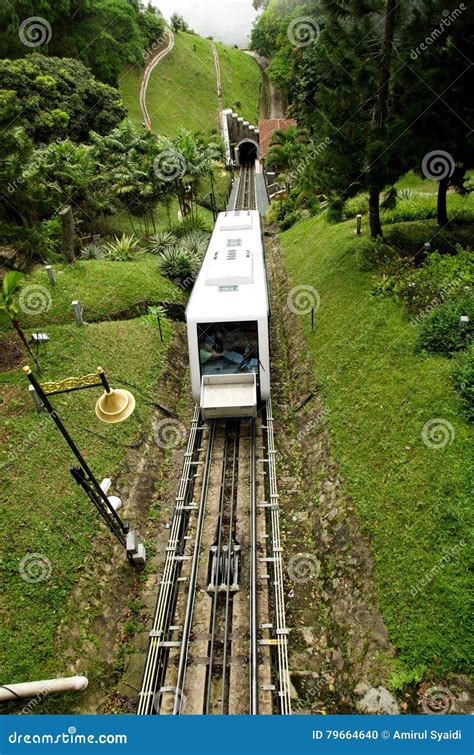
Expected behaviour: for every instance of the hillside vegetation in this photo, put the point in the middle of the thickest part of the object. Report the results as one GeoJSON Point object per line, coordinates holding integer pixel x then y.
{"type": "Point", "coordinates": [183, 93]}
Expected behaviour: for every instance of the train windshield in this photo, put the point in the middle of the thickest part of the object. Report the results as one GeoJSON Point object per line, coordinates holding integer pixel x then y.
{"type": "Point", "coordinates": [228, 348]}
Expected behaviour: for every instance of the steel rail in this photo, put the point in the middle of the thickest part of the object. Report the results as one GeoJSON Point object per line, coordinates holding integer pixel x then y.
{"type": "Point", "coordinates": [212, 641]}
{"type": "Point", "coordinates": [228, 603]}
{"type": "Point", "coordinates": [184, 651]}
{"type": "Point", "coordinates": [168, 585]}
{"type": "Point", "coordinates": [253, 574]}
{"type": "Point", "coordinates": [279, 595]}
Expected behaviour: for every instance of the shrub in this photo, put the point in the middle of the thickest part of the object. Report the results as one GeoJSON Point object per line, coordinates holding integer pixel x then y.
{"type": "Point", "coordinates": [192, 223]}
{"type": "Point", "coordinates": [358, 205]}
{"type": "Point", "coordinates": [92, 251]}
{"type": "Point", "coordinates": [440, 331]}
{"type": "Point", "coordinates": [290, 219]}
{"type": "Point", "coordinates": [176, 263]}
{"type": "Point", "coordinates": [464, 380]}
{"type": "Point", "coordinates": [195, 244]}
{"type": "Point", "coordinates": [122, 249]}
{"type": "Point", "coordinates": [441, 278]}
{"type": "Point", "coordinates": [376, 253]}
{"type": "Point", "coordinates": [161, 241]}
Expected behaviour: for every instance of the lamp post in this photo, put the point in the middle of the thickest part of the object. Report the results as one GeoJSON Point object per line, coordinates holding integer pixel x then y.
{"type": "Point", "coordinates": [112, 407]}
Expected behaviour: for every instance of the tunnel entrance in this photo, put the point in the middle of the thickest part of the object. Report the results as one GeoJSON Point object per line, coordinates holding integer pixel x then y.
{"type": "Point", "coordinates": [248, 153]}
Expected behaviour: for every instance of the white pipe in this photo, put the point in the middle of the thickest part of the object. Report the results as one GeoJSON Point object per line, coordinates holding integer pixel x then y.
{"type": "Point", "coordinates": [45, 687]}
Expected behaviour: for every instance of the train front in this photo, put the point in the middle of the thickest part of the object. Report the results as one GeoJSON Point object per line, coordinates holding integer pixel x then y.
{"type": "Point", "coordinates": [227, 321]}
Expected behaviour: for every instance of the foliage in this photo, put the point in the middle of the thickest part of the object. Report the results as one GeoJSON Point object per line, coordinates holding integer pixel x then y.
{"type": "Point", "coordinates": [122, 249]}
{"type": "Point", "coordinates": [126, 30]}
{"type": "Point", "coordinates": [464, 380]}
{"type": "Point", "coordinates": [441, 277]}
{"type": "Point", "coordinates": [92, 251]}
{"type": "Point", "coordinates": [178, 23]}
{"type": "Point", "coordinates": [379, 394]}
{"type": "Point", "coordinates": [373, 253]}
{"type": "Point", "coordinates": [176, 263]}
{"type": "Point", "coordinates": [195, 244]}
{"type": "Point", "coordinates": [440, 331]}
{"type": "Point", "coordinates": [57, 98]}
{"type": "Point", "coordinates": [195, 222]}
{"type": "Point", "coordinates": [161, 241]}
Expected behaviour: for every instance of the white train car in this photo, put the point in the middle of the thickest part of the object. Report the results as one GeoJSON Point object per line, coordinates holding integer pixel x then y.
{"type": "Point", "coordinates": [227, 320]}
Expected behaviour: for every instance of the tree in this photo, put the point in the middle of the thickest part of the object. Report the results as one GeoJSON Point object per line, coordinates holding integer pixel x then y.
{"type": "Point", "coordinates": [59, 98]}
{"type": "Point", "coordinates": [178, 23]}
{"type": "Point", "coordinates": [434, 96]}
{"type": "Point", "coordinates": [10, 286]}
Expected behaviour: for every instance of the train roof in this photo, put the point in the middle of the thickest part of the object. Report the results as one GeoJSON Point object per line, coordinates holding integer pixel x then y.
{"type": "Point", "coordinates": [231, 285]}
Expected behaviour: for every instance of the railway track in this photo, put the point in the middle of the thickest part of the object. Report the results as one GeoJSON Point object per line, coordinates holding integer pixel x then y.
{"type": "Point", "coordinates": [246, 198]}
{"type": "Point", "coordinates": [218, 644]}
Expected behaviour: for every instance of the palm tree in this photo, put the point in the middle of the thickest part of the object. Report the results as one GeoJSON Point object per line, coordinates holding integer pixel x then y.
{"type": "Point", "coordinates": [287, 150]}
{"type": "Point", "coordinates": [10, 286]}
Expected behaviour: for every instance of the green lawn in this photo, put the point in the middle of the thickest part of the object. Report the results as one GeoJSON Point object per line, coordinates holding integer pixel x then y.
{"type": "Point", "coordinates": [42, 509]}
{"type": "Point", "coordinates": [241, 80]}
{"type": "Point", "coordinates": [183, 93]}
{"type": "Point", "coordinates": [413, 502]}
{"type": "Point", "coordinates": [104, 288]}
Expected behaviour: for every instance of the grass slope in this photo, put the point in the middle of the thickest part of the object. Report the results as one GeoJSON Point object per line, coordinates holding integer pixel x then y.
{"type": "Point", "coordinates": [182, 90]}
{"type": "Point", "coordinates": [241, 80]}
{"type": "Point", "coordinates": [42, 509]}
{"type": "Point", "coordinates": [412, 501]}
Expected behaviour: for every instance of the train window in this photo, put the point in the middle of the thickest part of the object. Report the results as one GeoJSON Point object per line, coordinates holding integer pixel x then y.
{"type": "Point", "coordinates": [228, 348]}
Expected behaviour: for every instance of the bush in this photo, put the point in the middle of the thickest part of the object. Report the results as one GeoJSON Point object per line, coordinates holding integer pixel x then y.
{"type": "Point", "coordinates": [440, 331]}
{"type": "Point", "coordinates": [192, 223]}
{"type": "Point", "coordinates": [161, 241]}
{"type": "Point", "coordinates": [372, 254]}
{"type": "Point", "coordinates": [92, 251]}
{"type": "Point", "coordinates": [175, 263]}
{"type": "Point", "coordinates": [290, 219]}
{"type": "Point", "coordinates": [195, 244]}
{"type": "Point", "coordinates": [441, 278]}
{"type": "Point", "coordinates": [358, 205]}
{"type": "Point", "coordinates": [464, 380]}
{"type": "Point", "coordinates": [122, 249]}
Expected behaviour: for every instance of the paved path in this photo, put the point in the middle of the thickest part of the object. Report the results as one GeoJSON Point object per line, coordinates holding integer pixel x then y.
{"type": "Point", "coordinates": [147, 73]}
